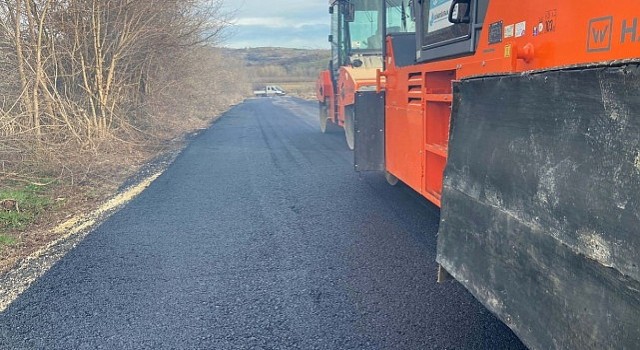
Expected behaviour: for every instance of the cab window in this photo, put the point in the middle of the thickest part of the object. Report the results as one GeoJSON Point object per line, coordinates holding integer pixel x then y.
{"type": "Point", "coordinates": [436, 28]}
{"type": "Point", "coordinates": [365, 30]}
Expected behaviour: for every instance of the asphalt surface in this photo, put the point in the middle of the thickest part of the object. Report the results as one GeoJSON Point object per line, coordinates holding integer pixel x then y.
{"type": "Point", "coordinates": [259, 236]}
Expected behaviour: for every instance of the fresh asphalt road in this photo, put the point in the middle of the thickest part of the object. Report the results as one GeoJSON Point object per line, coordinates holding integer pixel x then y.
{"type": "Point", "coordinates": [259, 236]}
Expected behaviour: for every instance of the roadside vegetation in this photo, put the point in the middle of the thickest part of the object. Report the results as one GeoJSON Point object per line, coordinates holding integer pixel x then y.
{"type": "Point", "coordinates": [20, 205]}
{"type": "Point", "coordinates": [91, 90]}
{"type": "Point", "coordinates": [94, 89]}
{"type": "Point", "coordinates": [295, 70]}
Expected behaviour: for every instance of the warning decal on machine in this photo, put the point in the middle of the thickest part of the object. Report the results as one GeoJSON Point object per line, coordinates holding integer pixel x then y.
{"type": "Point", "coordinates": [521, 29]}
{"type": "Point", "coordinates": [495, 32]}
{"type": "Point", "coordinates": [439, 15]}
{"type": "Point", "coordinates": [509, 31]}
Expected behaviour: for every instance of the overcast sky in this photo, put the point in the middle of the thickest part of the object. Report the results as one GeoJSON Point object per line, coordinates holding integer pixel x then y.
{"type": "Point", "coordinates": [283, 23]}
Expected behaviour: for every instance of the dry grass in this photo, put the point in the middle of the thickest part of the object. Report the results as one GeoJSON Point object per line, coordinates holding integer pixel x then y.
{"type": "Point", "coordinates": [294, 70]}
{"type": "Point", "coordinates": [75, 176]}
{"type": "Point", "coordinates": [79, 177]}
{"type": "Point", "coordinates": [306, 90]}
{"type": "Point", "coordinates": [302, 89]}
{"type": "Point", "coordinates": [83, 178]}
{"type": "Point", "coordinates": [50, 186]}
{"type": "Point", "coordinates": [93, 90]}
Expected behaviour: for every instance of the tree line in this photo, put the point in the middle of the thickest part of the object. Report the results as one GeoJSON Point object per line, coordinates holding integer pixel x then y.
{"type": "Point", "coordinates": [77, 71]}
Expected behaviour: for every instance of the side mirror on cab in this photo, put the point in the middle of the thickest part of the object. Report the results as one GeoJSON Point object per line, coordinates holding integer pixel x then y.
{"type": "Point", "coordinates": [412, 10]}
{"type": "Point", "coordinates": [459, 11]}
{"type": "Point", "coordinates": [349, 12]}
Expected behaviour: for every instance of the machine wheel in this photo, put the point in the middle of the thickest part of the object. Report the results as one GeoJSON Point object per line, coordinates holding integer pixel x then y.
{"type": "Point", "coordinates": [391, 179]}
{"type": "Point", "coordinates": [324, 116]}
{"type": "Point", "coordinates": [349, 128]}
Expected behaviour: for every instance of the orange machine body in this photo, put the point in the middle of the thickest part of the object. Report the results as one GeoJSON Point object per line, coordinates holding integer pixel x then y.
{"type": "Point", "coordinates": [350, 80]}
{"type": "Point", "coordinates": [325, 93]}
{"type": "Point", "coordinates": [542, 35]}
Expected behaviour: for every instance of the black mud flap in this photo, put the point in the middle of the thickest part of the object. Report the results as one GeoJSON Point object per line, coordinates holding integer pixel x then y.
{"type": "Point", "coordinates": [369, 131]}
{"type": "Point", "coordinates": [540, 211]}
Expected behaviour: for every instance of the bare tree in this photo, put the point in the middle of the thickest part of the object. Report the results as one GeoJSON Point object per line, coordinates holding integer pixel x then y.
{"type": "Point", "coordinates": [81, 73]}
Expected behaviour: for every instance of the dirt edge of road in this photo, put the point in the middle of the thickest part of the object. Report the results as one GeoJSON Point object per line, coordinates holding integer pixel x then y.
{"type": "Point", "coordinates": [65, 233]}
{"type": "Point", "coordinates": [70, 232]}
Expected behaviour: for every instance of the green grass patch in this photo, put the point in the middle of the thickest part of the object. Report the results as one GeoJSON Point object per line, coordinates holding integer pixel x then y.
{"type": "Point", "coordinates": [6, 240]}
{"type": "Point", "coordinates": [32, 200]}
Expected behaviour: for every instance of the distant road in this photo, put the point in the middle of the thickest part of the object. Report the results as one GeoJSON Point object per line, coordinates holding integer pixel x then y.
{"type": "Point", "coordinates": [259, 236]}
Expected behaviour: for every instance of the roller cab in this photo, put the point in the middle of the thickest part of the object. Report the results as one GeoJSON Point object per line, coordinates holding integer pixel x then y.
{"type": "Point", "coordinates": [358, 29]}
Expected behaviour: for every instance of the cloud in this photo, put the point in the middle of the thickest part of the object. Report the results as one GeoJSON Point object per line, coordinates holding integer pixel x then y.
{"type": "Point", "coordinates": [272, 8]}
{"type": "Point", "coordinates": [284, 23]}
{"type": "Point", "coordinates": [275, 22]}
{"type": "Point", "coordinates": [305, 36]}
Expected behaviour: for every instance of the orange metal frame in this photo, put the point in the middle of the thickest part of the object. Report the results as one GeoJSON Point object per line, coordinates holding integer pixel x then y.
{"type": "Point", "coordinates": [325, 92]}
{"type": "Point", "coordinates": [350, 80]}
{"type": "Point", "coordinates": [557, 35]}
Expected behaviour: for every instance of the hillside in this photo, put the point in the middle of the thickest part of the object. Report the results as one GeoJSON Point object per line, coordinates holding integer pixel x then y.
{"type": "Point", "coordinates": [283, 56]}
{"type": "Point", "coordinates": [293, 69]}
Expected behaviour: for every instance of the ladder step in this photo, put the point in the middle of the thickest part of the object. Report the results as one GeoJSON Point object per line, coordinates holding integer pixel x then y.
{"type": "Point", "coordinates": [436, 149]}
{"type": "Point", "coordinates": [438, 97]}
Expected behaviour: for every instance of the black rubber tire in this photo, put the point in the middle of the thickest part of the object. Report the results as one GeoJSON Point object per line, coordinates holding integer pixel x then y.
{"type": "Point", "coordinates": [349, 127]}
{"type": "Point", "coordinates": [324, 116]}
{"type": "Point", "coordinates": [391, 179]}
